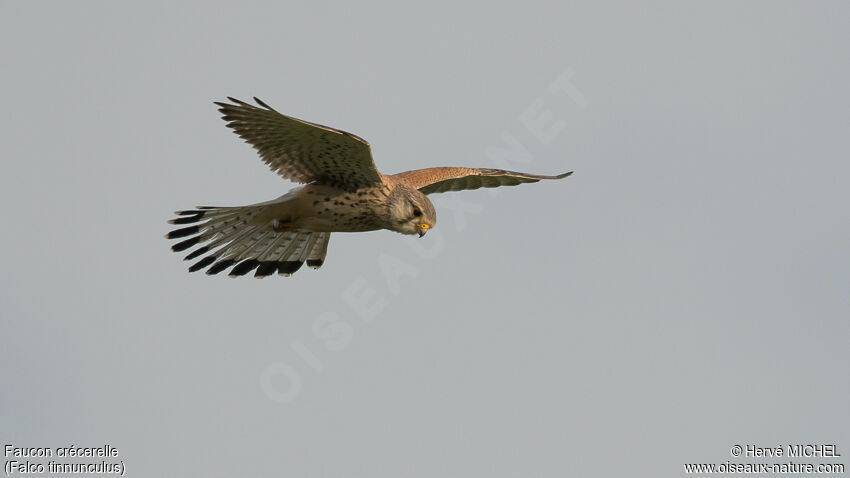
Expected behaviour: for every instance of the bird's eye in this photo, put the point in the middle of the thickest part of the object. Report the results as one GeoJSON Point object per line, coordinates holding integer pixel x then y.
{"type": "Point", "coordinates": [417, 212]}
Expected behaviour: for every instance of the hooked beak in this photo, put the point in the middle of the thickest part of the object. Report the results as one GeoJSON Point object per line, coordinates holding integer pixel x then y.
{"type": "Point", "coordinates": [422, 229]}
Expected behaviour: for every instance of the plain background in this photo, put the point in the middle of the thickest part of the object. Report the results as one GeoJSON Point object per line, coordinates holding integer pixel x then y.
{"type": "Point", "coordinates": [684, 291]}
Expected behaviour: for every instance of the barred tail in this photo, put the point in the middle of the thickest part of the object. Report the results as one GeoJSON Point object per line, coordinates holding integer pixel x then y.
{"type": "Point", "coordinates": [229, 238]}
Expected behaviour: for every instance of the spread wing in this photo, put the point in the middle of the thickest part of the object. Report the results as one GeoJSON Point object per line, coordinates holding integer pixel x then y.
{"type": "Point", "coordinates": [440, 180]}
{"type": "Point", "coordinates": [300, 151]}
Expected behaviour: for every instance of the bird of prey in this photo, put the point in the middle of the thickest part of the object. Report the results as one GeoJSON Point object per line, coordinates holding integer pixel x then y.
{"type": "Point", "coordinates": [343, 192]}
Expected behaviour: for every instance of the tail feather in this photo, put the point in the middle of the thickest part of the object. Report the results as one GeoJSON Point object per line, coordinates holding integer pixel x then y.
{"type": "Point", "coordinates": [196, 253]}
{"type": "Point", "coordinates": [267, 266]}
{"type": "Point", "coordinates": [220, 266]}
{"type": "Point", "coordinates": [272, 259]}
{"type": "Point", "coordinates": [250, 254]}
{"type": "Point", "coordinates": [234, 243]}
{"type": "Point", "coordinates": [290, 259]}
{"type": "Point", "coordinates": [316, 256]}
{"type": "Point", "coordinates": [227, 237]}
{"type": "Point", "coordinates": [244, 267]}
{"type": "Point", "coordinates": [259, 244]}
{"type": "Point", "coordinates": [214, 241]}
{"type": "Point", "coordinates": [269, 252]}
{"type": "Point", "coordinates": [230, 253]}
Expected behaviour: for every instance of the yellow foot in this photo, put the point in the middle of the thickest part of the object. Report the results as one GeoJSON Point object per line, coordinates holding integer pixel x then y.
{"type": "Point", "coordinates": [282, 226]}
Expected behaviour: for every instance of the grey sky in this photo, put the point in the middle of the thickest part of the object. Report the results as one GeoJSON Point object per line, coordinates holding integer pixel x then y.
{"type": "Point", "coordinates": [684, 291]}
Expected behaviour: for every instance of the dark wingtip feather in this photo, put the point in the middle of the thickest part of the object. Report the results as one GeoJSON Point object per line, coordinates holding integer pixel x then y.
{"type": "Point", "coordinates": [260, 102]}
{"type": "Point", "coordinates": [288, 267]}
{"type": "Point", "coordinates": [315, 263]}
{"type": "Point", "coordinates": [186, 231]}
{"type": "Point", "coordinates": [563, 175]}
{"type": "Point", "coordinates": [244, 267]}
{"type": "Point", "coordinates": [182, 246]}
{"type": "Point", "coordinates": [238, 102]}
{"type": "Point", "coordinates": [196, 253]}
{"type": "Point", "coordinates": [202, 263]}
{"type": "Point", "coordinates": [220, 266]}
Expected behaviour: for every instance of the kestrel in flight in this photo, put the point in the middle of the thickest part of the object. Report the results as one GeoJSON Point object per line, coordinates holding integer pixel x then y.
{"type": "Point", "coordinates": [342, 192]}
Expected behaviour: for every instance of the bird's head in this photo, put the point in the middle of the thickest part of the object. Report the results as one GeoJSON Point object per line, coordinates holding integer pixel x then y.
{"type": "Point", "coordinates": [410, 211]}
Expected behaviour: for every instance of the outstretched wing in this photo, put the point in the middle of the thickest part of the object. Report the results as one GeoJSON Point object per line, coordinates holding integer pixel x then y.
{"type": "Point", "coordinates": [440, 180]}
{"type": "Point", "coordinates": [300, 151]}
